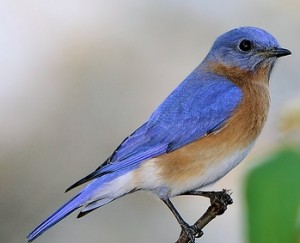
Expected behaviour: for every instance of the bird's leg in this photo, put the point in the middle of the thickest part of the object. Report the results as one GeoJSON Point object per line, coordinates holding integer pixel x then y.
{"type": "Point", "coordinates": [192, 231]}
{"type": "Point", "coordinates": [219, 202]}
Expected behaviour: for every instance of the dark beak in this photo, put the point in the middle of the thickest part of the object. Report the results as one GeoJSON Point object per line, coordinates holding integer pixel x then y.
{"type": "Point", "coordinates": [279, 52]}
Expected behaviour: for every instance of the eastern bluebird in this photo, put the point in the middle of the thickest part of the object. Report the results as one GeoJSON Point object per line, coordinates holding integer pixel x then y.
{"type": "Point", "coordinates": [202, 130]}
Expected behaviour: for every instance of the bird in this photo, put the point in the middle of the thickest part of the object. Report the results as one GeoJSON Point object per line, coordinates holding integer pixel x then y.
{"type": "Point", "coordinates": [200, 132]}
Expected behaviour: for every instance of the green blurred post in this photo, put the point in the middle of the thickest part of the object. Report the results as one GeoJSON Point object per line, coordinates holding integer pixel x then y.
{"type": "Point", "coordinates": [273, 199]}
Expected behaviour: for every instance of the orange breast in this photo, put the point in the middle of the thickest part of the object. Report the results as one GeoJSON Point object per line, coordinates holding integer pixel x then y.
{"type": "Point", "coordinates": [188, 164]}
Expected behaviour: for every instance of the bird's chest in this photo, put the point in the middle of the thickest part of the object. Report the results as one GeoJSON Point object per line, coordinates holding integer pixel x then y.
{"type": "Point", "coordinates": [211, 157]}
{"type": "Point", "coordinates": [251, 114]}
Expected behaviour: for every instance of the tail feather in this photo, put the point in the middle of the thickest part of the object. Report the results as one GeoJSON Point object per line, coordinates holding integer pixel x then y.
{"type": "Point", "coordinates": [94, 205]}
{"type": "Point", "coordinates": [96, 194]}
{"type": "Point", "coordinates": [75, 203]}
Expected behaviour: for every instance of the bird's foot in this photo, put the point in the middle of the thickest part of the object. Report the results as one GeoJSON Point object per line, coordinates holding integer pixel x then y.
{"type": "Point", "coordinates": [221, 200]}
{"type": "Point", "coordinates": [191, 231]}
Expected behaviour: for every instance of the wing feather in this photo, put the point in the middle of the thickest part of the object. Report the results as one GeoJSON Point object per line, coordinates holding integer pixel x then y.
{"type": "Point", "coordinates": [198, 106]}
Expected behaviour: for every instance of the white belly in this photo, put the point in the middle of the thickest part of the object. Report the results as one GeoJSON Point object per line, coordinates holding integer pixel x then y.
{"type": "Point", "coordinates": [149, 177]}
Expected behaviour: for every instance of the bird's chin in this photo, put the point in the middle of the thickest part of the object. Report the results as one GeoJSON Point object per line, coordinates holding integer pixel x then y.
{"type": "Point", "coordinates": [265, 64]}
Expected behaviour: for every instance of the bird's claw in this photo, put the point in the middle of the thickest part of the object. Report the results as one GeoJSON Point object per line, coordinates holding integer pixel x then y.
{"type": "Point", "coordinates": [191, 231]}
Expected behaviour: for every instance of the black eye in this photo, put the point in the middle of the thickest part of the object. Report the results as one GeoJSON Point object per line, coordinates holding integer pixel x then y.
{"type": "Point", "coordinates": [245, 45]}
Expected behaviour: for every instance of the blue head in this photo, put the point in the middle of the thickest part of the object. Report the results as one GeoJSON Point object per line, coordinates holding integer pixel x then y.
{"type": "Point", "coordinates": [247, 48]}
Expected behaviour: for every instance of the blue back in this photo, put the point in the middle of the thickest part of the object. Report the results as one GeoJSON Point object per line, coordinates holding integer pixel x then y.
{"type": "Point", "coordinates": [201, 104]}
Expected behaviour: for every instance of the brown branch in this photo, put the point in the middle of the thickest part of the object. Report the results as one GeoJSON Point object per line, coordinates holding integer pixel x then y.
{"type": "Point", "coordinates": [218, 205]}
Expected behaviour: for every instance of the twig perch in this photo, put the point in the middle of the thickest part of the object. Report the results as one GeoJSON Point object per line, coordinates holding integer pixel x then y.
{"type": "Point", "coordinates": [218, 205]}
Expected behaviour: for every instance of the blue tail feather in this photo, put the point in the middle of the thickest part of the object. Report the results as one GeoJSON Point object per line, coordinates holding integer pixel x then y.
{"type": "Point", "coordinates": [75, 203]}
{"type": "Point", "coordinates": [85, 196]}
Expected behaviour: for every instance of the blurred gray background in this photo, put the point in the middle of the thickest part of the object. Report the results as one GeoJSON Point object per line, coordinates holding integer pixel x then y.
{"type": "Point", "coordinates": [78, 76]}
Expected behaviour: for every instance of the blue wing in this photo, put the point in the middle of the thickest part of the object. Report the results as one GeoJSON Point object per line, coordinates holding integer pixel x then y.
{"type": "Point", "coordinates": [198, 106]}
